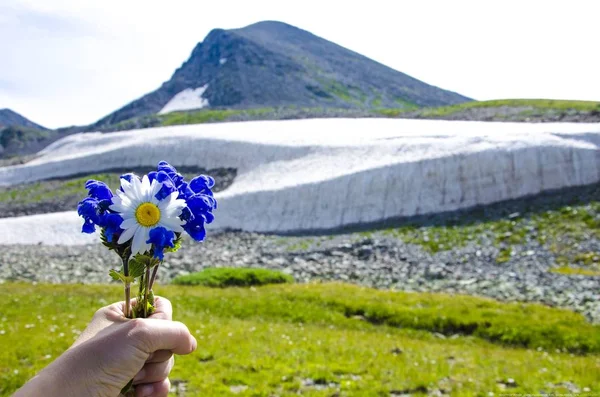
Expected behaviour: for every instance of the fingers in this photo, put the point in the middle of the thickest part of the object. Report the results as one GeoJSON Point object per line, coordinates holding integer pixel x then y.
{"type": "Point", "coordinates": [154, 372]}
{"type": "Point", "coordinates": [163, 309]}
{"type": "Point", "coordinates": [162, 306]}
{"type": "Point", "coordinates": [157, 389]}
{"type": "Point", "coordinates": [151, 335]}
{"type": "Point", "coordinates": [159, 356]}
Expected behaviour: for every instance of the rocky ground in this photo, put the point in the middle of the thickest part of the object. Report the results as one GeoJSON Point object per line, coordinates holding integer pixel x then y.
{"type": "Point", "coordinates": [526, 114]}
{"type": "Point", "coordinates": [378, 261]}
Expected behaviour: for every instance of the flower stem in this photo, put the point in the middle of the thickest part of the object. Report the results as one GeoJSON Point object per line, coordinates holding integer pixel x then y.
{"type": "Point", "coordinates": [154, 271]}
{"type": "Point", "coordinates": [147, 280]}
{"type": "Point", "coordinates": [126, 311]}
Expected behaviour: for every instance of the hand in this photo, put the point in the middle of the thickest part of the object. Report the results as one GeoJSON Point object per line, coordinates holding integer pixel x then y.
{"type": "Point", "coordinates": [111, 351]}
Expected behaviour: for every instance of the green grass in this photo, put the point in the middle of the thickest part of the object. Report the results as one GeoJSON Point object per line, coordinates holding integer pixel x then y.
{"type": "Point", "coordinates": [556, 228]}
{"type": "Point", "coordinates": [351, 95]}
{"type": "Point", "coordinates": [65, 190]}
{"type": "Point", "coordinates": [198, 117]}
{"type": "Point", "coordinates": [390, 112]}
{"type": "Point", "coordinates": [18, 136]}
{"type": "Point", "coordinates": [274, 339]}
{"type": "Point", "coordinates": [537, 107]}
{"type": "Point", "coordinates": [232, 277]}
{"type": "Point", "coordinates": [210, 115]}
{"type": "Point", "coordinates": [570, 271]}
{"type": "Point", "coordinates": [588, 258]}
{"type": "Point", "coordinates": [539, 104]}
{"type": "Point", "coordinates": [404, 104]}
{"type": "Point", "coordinates": [40, 191]}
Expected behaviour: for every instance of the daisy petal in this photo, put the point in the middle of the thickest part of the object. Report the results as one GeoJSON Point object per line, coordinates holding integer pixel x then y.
{"type": "Point", "coordinates": [136, 188]}
{"type": "Point", "coordinates": [129, 223]}
{"type": "Point", "coordinates": [127, 234]}
{"type": "Point", "coordinates": [145, 183]}
{"type": "Point", "coordinates": [173, 224]}
{"type": "Point", "coordinates": [139, 241]}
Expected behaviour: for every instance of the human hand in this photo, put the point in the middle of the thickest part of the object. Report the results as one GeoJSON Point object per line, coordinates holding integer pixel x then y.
{"type": "Point", "coordinates": [111, 351]}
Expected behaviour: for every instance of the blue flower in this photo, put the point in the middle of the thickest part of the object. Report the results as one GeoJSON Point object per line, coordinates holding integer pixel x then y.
{"type": "Point", "coordinates": [199, 212]}
{"type": "Point", "coordinates": [98, 190]}
{"type": "Point", "coordinates": [161, 238]}
{"type": "Point", "coordinates": [176, 177]}
{"type": "Point", "coordinates": [88, 209]}
{"type": "Point", "coordinates": [149, 213]}
{"type": "Point", "coordinates": [199, 198]}
{"type": "Point", "coordinates": [112, 226]}
{"type": "Point", "coordinates": [202, 184]}
{"type": "Point", "coordinates": [168, 186]}
{"type": "Point", "coordinates": [94, 210]}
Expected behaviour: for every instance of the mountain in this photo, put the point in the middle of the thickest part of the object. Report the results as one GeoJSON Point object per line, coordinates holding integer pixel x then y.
{"type": "Point", "coordinates": [19, 135]}
{"type": "Point", "coordinates": [273, 64]}
{"type": "Point", "coordinates": [9, 118]}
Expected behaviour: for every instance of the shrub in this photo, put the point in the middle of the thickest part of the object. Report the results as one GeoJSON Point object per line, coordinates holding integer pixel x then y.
{"type": "Point", "coordinates": [234, 277]}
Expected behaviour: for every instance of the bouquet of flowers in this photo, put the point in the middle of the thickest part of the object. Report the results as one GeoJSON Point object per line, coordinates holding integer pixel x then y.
{"type": "Point", "coordinates": [144, 219]}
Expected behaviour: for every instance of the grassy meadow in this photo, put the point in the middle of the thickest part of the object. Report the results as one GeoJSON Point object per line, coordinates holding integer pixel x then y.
{"type": "Point", "coordinates": [324, 340]}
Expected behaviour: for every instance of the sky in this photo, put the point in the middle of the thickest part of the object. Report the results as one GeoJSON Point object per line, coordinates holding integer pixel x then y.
{"type": "Point", "coordinates": [71, 62]}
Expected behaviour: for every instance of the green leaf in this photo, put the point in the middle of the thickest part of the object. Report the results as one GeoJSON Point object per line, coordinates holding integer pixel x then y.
{"type": "Point", "coordinates": [145, 259]}
{"type": "Point", "coordinates": [176, 244]}
{"type": "Point", "coordinates": [136, 267]}
{"type": "Point", "coordinates": [114, 274]}
{"type": "Point", "coordinates": [120, 276]}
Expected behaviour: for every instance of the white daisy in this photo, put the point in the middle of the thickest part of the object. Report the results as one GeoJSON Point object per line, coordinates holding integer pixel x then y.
{"type": "Point", "coordinates": [142, 211]}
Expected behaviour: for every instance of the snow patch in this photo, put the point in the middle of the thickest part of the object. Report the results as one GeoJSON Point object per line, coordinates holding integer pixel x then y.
{"type": "Point", "coordinates": [316, 174]}
{"type": "Point", "coordinates": [59, 228]}
{"type": "Point", "coordinates": [188, 99]}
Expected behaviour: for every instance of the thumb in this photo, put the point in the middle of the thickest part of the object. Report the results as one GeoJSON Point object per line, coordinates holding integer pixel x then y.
{"type": "Point", "coordinates": [151, 335]}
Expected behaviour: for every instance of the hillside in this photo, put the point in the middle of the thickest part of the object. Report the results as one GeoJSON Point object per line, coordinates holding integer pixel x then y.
{"type": "Point", "coordinates": [18, 135]}
{"type": "Point", "coordinates": [9, 118]}
{"type": "Point", "coordinates": [521, 110]}
{"type": "Point", "coordinates": [512, 110]}
{"type": "Point", "coordinates": [272, 64]}
{"type": "Point", "coordinates": [28, 141]}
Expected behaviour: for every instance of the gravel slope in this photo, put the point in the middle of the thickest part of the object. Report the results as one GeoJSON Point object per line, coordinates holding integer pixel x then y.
{"type": "Point", "coordinates": [377, 261]}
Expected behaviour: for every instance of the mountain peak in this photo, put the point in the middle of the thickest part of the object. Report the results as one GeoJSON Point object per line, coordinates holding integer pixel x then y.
{"type": "Point", "coordinates": [274, 64]}
{"type": "Point", "coordinates": [10, 118]}
{"type": "Point", "coordinates": [273, 26]}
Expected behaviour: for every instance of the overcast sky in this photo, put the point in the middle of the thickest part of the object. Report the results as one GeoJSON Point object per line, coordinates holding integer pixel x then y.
{"type": "Point", "coordinates": [71, 62]}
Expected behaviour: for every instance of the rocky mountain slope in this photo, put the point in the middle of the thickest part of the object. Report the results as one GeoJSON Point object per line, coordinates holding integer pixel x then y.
{"type": "Point", "coordinates": [19, 135]}
{"type": "Point", "coordinates": [9, 118]}
{"type": "Point", "coordinates": [274, 64]}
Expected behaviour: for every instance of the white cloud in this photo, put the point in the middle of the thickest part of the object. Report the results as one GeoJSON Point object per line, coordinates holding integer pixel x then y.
{"type": "Point", "coordinates": [70, 62]}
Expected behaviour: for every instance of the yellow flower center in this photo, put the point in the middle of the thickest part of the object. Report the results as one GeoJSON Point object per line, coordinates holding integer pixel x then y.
{"type": "Point", "coordinates": [147, 214]}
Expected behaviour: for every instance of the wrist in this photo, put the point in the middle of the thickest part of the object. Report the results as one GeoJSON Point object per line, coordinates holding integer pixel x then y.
{"type": "Point", "coordinates": [61, 379]}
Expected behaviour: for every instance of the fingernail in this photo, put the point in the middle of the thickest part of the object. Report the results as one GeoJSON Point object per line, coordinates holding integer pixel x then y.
{"type": "Point", "coordinates": [194, 344]}
{"type": "Point", "coordinates": [140, 375]}
{"type": "Point", "coordinates": [146, 390]}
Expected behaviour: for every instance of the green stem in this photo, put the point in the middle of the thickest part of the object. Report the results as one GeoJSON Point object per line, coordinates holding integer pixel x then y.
{"type": "Point", "coordinates": [154, 271]}
{"type": "Point", "coordinates": [147, 281]}
{"type": "Point", "coordinates": [126, 311]}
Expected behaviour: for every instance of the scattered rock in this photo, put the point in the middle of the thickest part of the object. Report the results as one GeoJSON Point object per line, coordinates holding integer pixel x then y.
{"type": "Point", "coordinates": [379, 261]}
{"type": "Point", "coordinates": [238, 389]}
